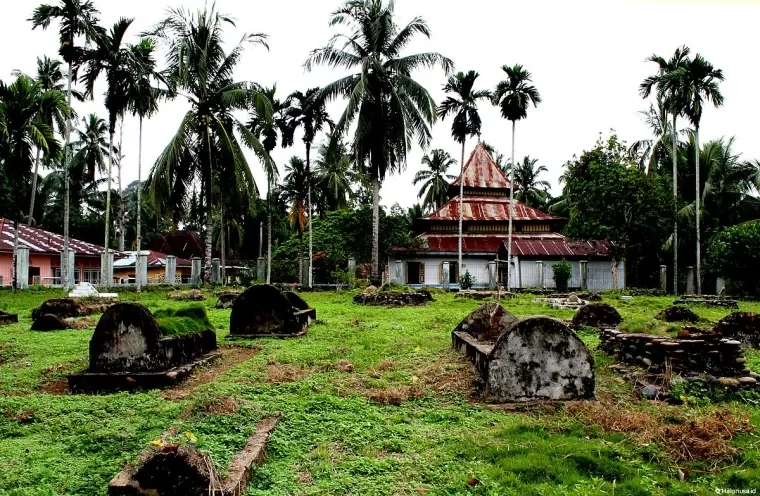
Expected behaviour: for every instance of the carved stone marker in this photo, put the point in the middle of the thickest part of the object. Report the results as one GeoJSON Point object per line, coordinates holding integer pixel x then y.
{"type": "Point", "coordinates": [265, 311]}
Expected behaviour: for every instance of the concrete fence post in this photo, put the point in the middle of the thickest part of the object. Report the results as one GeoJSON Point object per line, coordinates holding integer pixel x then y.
{"type": "Point", "coordinates": [106, 268]}
{"type": "Point", "coordinates": [143, 273]}
{"type": "Point", "coordinates": [540, 272]}
{"type": "Point", "coordinates": [195, 271]}
{"type": "Point", "coordinates": [261, 268]}
{"type": "Point", "coordinates": [171, 270]}
{"type": "Point", "coordinates": [584, 275]}
{"type": "Point", "coordinates": [492, 275]}
{"type": "Point", "coordinates": [689, 280]}
{"type": "Point", "coordinates": [216, 271]}
{"type": "Point", "coordinates": [22, 267]}
{"type": "Point", "coordinates": [446, 275]}
{"type": "Point", "coordinates": [720, 285]}
{"type": "Point", "coordinates": [663, 278]}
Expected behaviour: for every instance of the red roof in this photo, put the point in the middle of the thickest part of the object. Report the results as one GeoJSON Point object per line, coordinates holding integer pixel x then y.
{"type": "Point", "coordinates": [41, 241]}
{"type": "Point", "coordinates": [482, 172]}
{"type": "Point", "coordinates": [155, 259]}
{"type": "Point", "coordinates": [487, 208]}
{"type": "Point", "coordinates": [543, 245]}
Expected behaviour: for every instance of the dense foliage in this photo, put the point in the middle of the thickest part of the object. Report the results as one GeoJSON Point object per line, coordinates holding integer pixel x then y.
{"type": "Point", "coordinates": [735, 255]}
{"type": "Point", "coordinates": [561, 272]}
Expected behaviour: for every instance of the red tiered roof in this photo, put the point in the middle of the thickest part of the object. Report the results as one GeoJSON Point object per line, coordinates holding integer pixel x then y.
{"type": "Point", "coordinates": [482, 172]}
{"type": "Point", "coordinates": [487, 208]}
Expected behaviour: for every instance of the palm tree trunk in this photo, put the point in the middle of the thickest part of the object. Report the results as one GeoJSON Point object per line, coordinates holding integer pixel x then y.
{"type": "Point", "coordinates": [675, 205]}
{"type": "Point", "coordinates": [697, 201]}
{"type": "Point", "coordinates": [461, 195]}
{"type": "Point", "coordinates": [269, 234]}
{"type": "Point", "coordinates": [14, 258]}
{"type": "Point", "coordinates": [34, 188]}
{"type": "Point", "coordinates": [209, 223]}
{"type": "Point", "coordinates": [107, 243]}
{"type": "Point", "coordinates": [511, 210]}
{"type": "Point", "coordinates": [308, 202]}
{"type": "Point", "coordinates": [67, 139]}
{"type": "Point", "coordinates": [139, 203]}
{"type": "Point", "coordinates": [375, 229]}
{"type": "Point", "coordinates": [121, 190]}
{"type": "Point", "coordinates": [222, 233]}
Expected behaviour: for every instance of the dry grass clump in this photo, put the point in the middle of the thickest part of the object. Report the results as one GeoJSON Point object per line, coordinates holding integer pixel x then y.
{"type": "Point", "coordinates": [394, 395]}
{"type": "Point", "coordinates": [449, 376]}
{"type": "Point", "coordinates": [344, 366]}
{"type": "Point", "coordinates": [278, 373]}
{"type": "Point", "coordinates": [222, 406]}
{"type": "Point", "coordinates": [701, 438]}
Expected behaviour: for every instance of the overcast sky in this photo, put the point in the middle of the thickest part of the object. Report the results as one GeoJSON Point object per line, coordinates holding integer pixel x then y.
{"type": "Point", "coordinates": [587, 60]}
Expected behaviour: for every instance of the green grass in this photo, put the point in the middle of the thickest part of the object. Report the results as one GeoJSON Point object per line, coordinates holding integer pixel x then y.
{"type": "Point", "coordinates": [333, 439]}
{"type": "Point", "coordinates": [185, 320]}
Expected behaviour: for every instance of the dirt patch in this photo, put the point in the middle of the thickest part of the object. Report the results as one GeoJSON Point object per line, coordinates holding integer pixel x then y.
{"type": "Point", "coordinates": [222, 406]}
{"type": "Point", "coordinates": [81, 324]}
{"type": "Point", "coordinates": [22, 417]}
{"type": "Point", "coordinates": [230, 358]}
{"type": "Point", "coordinates": [58, 387]}
{"type": "Point", "coordinates": [394, 395]}
{"type": "Point", "coordinates": [699, 438]}
{"type": "Point", "coordinates": [304, 478]}
{"type": "Point", "coordinates": [278, 373]}
{"type": "Point", "coordinates": [344, 366]}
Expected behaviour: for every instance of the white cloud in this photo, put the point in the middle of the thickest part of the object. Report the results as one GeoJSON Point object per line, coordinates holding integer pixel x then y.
{"type": "Point", "coordinates": [587, 60]}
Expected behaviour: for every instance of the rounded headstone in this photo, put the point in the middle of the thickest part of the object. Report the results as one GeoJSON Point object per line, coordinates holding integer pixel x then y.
{"type": "Point", "coordinates": [49, 322]}
{"type": "Point", "coordinates": [540, 358]}
{"type": "Point", "coordinates": [600, 315]}
{"type": "Point", "coordinates": [127, 339]}
{"type": "Point", "coordinates": [487, 322]}
{"type": "Point", "coordinates": [678, 314]}
{"type": "Point", "coordinates": [262, 309]}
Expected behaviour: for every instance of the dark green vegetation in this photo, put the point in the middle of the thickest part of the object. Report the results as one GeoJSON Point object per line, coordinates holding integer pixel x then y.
{"type": "Point", "coordinates": [373, 402]}
{"type": "Point", "coordinates": [185, 320]}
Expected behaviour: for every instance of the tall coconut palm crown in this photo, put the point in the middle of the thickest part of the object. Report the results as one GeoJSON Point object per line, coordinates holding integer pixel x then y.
{"type": "Point", "coordinates": [391, 108]}
{"type": "Point", "coordinates": [435, 181]}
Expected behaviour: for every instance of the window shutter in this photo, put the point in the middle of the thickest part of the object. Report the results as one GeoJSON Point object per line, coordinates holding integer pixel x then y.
{"type": "Point", "coordinates": [422, 273]}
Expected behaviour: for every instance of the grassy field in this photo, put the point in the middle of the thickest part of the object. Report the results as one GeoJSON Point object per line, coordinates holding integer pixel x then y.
{"type": "Point", "coordinates": [373, 402]}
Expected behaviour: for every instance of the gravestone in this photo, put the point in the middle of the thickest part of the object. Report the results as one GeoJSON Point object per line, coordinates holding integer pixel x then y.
{"type": "Point", "coordinates": [8, 318]}
{"type": "Point", "coordinates": [265, 311]}
{"type": "Point", "coordinates": [226, 298]}
{"type": "Point", "coordinates": [49, 322]}
{"type": "Point", "coordinates": [487, 322]}
{"type": "Point", "coordinates": [678, 314]}
{"type": "Point", "coordinates": [600, 315]}
{"type": "Point", "coordinates": [742, 326]}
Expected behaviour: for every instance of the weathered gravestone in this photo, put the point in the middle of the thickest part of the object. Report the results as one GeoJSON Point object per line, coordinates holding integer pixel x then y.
{"type": "Point", "coordinates": [8, 318]}
{"type": "Point", "coordinates": [49, 322]}
{"type": "Point", "coordinates": [742, 326]}
{"type": "Point", "coordinates": [678, 314]}
{"type": "Point", "coordinates": [70, 307]}
{"type": "Point", "coordinates": [226, 298]}
{"type": "Point", "coordinates": [265, 311]}
{"type": "Point", "coordinates": [537, 358]}
{"type": "Point", "coordinates": [128, 350]}
{"type": "Point", "coordinates": [300, 304]}
{"type": "Point", "coordinates": [599, 315]}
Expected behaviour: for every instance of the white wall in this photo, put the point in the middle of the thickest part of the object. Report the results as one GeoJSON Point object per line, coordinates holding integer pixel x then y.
{"type": "Point", "coordinates": [478, 268]}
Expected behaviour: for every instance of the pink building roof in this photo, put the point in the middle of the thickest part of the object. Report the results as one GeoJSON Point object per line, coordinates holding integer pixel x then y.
{"type": "Point", "coordinates": [482, 172]}
{"type": "Point", "coordinates": [41, 241]}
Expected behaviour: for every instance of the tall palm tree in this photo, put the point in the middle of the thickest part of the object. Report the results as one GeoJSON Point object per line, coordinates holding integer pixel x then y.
{"type": "Point", "coordinates": [142, 98]}
{"type": "Point", "coordinates": [270, 129]}
{"type": "Point", "coordinates": [91, 147]}
{"type": "Point", "coordinates": [674, 102]}
{"type": "Point", "coordinates": [49, 77]}
{"type": "Point", "coordinates": [111, 57]}
{"type": "Point", "coordinates": [308, 113]}
{"type": "Point", "coordinates": [530, 189]}
{"type": "Point", "coordinates": [514, 95]}
{"type": "Point", "coordinates": [463, 105]}
{"type": "Point", "coordinates": [435, 181]}
{"type": "Point", "coordinates": [202, 71]}
{"type": "Point", "coordinates": [697, 82]}
{"type": "Point", "coordinates": [295, 189]}
{"type": "Point", "coordinates": [652, 153]}
{"type": "Point", "coordinates": [389, 106]}
{"type": "Point", "coordinates": [333, 175]}
{"type": "Point", "coordinates": [76, 18]}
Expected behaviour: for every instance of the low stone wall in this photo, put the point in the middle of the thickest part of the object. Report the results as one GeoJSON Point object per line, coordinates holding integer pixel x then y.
{"type": "Point", "coordinates": [742, 326]}
{"type": "Point", "coordinates": [708, 353]}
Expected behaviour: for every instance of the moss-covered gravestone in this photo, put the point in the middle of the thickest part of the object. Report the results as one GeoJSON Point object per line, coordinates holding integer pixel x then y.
{"type": "Point", "coordinates": [131, 348]}
{"type": "Point", "coordinates": [265, 311]}
{"type": "Point", "coordinates": [599, 315]}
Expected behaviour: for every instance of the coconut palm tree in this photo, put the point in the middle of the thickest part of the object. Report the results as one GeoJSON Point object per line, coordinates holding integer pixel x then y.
{"type": "Point", "coordinates": [435, 181]}
{"type": "Point", "coordinates": [514, 95]}
{"type": "Point", "coordinates": [295, 190]}
{"type": "Point", "coordinates": [113, 58]}
{"type": "Point", "coordinates": [142, 99]}
{"type": "Point", "coordinates": [200, 69]}
{"type": "Point", "coordinates": [697, 82]}
{"type": "Point", "coordinates": [674, 102]}
{"type": "Point", "coordinates": [49, 77]}
{"type": "Point", "coordinates": [333, 176]}
{"type": "Point", "coordinates": [463, 106]}
{"type": "Point", "coordinates": [530, 189]}
{"type": "Point", "coordinates": [91, 147]}
{"type": "Point", "coordinates": [270, 129]}
{"type": "Point", "coordinates": [389, 106]}
{"type": "Point", "coordinates": [651, 154]}
{"type": "Point", "coordinates": [308, 113]}
{"type": "Point", "coordinates": [76, 18]}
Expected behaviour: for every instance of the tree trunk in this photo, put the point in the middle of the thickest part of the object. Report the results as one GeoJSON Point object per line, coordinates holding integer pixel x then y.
{"type": "Point", "coordinates": [614, 274]}
{"type": "Point", "coordinates": [511, 210]}
{"type": "Point", "coordinates": [209, 223]}
{"type": "Point", "coordinates": [675, 206]}
{"type": "Point", "coordinates": [222, 233]}
{"type": "Point", "coordinates": [121, 190]}
{"type": "Point", "coordinates": [34, 188]}
{"type": "Point", "coordinates": [697, 205]}
{"type": "Point", "coordinates": [269, 234]}
{"type": "Point", "coordinates": [107, 243]}
{"type": "Point", "coordinates": [66, 161]}
{"type": "Point", "coordinates": [308, 206]}
{"type": "Point", "coordinates": [14, 258]}
{"type": "Point", "coordinates": [461, 195]}
{"type": "Point", "coordinates": [139, 203]}
{"type": "Point", "coordinates": [375, 229]}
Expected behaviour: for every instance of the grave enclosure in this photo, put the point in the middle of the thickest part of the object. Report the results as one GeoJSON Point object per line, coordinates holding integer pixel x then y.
{"type": "Point", "coordinates": [264, 311]}
{"type": "Point", "coordinates": [536, 358]}
{"type": "Point", "coordinates": [129, 351]}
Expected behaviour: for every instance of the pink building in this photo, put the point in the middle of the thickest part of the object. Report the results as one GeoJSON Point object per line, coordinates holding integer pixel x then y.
{"type": "Point", "coordinates": [45, 255]}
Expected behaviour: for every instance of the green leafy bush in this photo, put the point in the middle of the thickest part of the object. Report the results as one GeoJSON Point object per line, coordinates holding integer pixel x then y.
{"type": "Point", "coordinates": [466, 280]}
{"type": "Point", "coordinates": [735, 255]}
{"type": "Point", "coordinates": [178, 321]}
{"type": "Point", "coordinates": [562, 271]}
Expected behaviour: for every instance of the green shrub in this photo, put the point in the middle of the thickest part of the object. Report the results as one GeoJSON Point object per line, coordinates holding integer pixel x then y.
{"type": "Point", "coordinates": [466, 280]}
{"type": "Point", "coordinates": [562, 271]}
{"type": "Point", "coordinates": [735, 255]}
{"type": "Point", "coordinates": [175, 322]}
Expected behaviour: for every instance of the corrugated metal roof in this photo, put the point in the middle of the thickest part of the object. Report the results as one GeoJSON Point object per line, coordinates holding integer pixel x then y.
{"type": "Point", "coordinates": [41, 241]}
{"type": "Point", "coordinates": [531, 246]}
{"type": "Point", "coordinates": [482, 172]}
{"type": "Point", "coordinates": [155, 259]}
{"type": "Point", "coordinates": [487, 208]}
